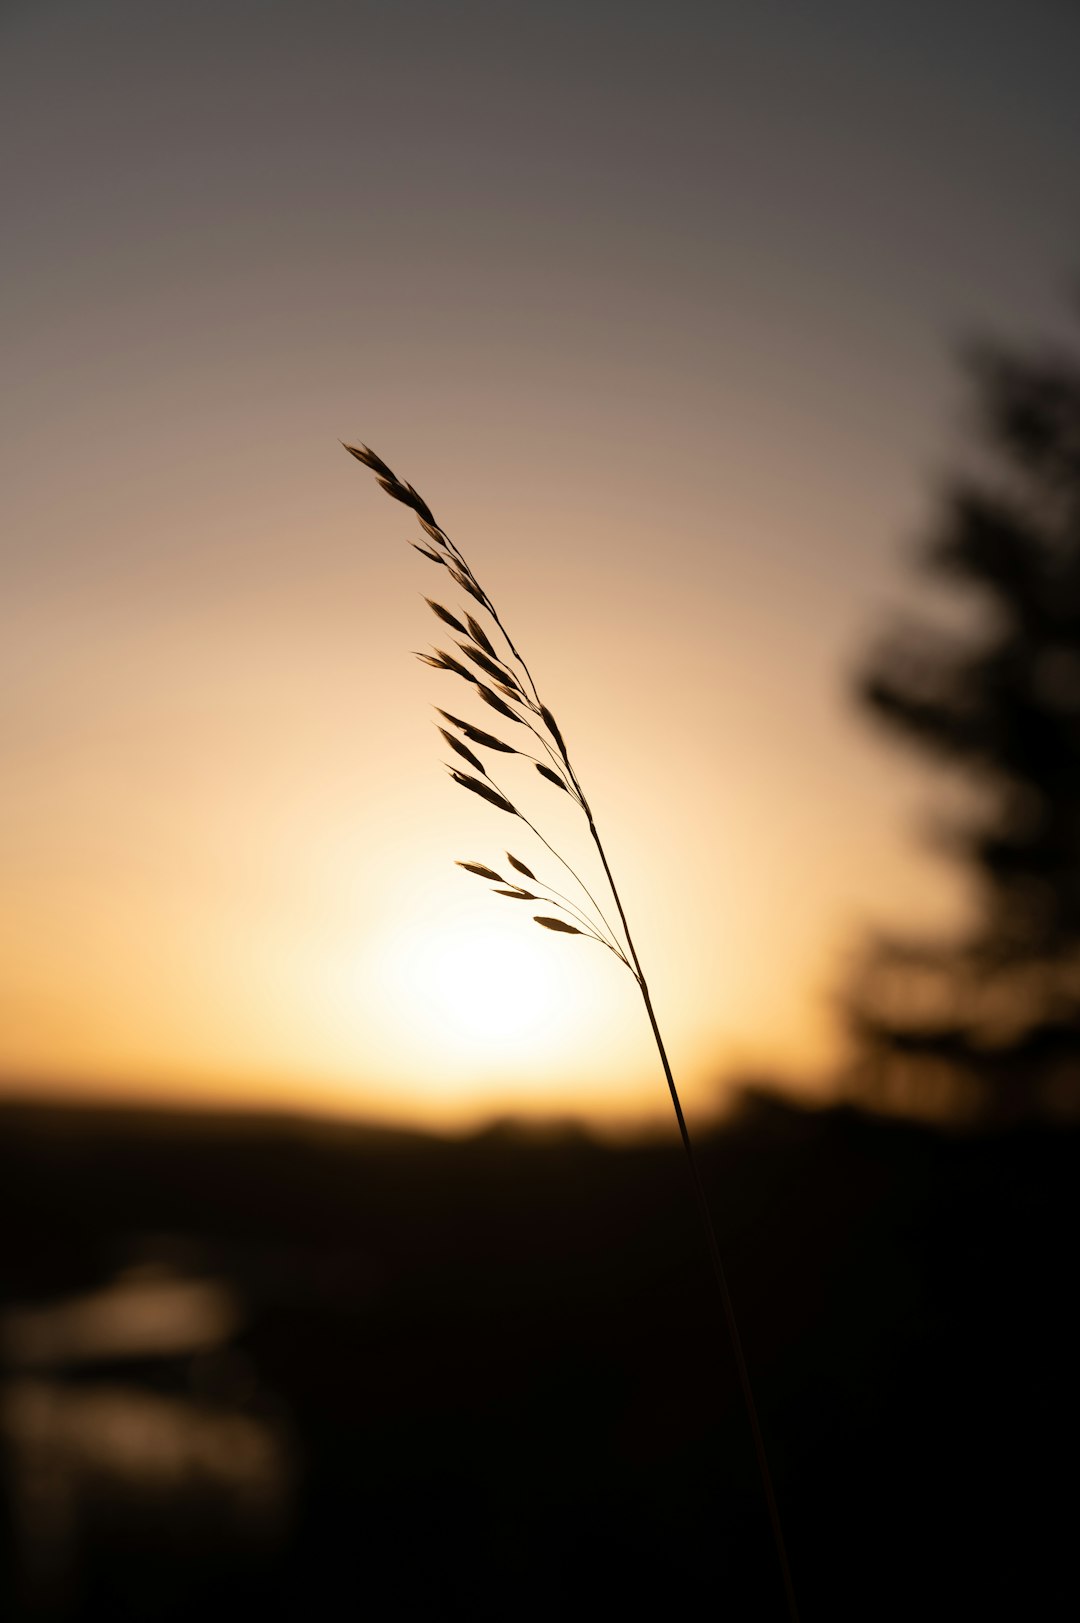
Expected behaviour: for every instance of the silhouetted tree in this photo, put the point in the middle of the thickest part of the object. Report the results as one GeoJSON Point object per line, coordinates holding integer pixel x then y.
{"type": "Point", "coordinates": [991, 1020]}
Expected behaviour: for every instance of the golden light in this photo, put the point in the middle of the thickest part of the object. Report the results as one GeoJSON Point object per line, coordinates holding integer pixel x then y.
{"type": "Point", "coordinates": [473, 994]}
{"type": "Point", "coordinates": [482, 987]}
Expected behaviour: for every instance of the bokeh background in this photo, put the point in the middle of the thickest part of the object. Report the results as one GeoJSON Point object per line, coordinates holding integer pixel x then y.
{"type": "Point", "coordinates": [348, 1261]}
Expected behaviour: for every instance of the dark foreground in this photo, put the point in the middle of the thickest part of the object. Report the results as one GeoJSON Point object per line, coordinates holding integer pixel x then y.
{"type": "Point", "coordinates": [277, 1370]}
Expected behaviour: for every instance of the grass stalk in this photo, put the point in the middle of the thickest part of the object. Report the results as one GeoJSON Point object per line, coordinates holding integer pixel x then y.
{"type": "Point", "coordinates": [504, 682]}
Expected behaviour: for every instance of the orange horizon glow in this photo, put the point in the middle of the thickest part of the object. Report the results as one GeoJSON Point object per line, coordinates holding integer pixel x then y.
{"type": "Point", "coordinates": [257, 899]}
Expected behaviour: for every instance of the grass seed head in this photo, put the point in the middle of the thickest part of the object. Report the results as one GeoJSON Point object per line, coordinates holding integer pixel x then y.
{"type": "Point", "coordinates": [482, 872]}
{"type": "Point", "coordinates": [444, 614]}
{"type": "Point", "coordinates": [484, 790]}
{"type": "Point", "coordinates": [480, 635]}
{"type": "Point", "coordinates": [364, 454]}
{"type": "Point", "coordinates": [553, 728]}
{"type": "Point", "coordinates": [491, 667]}
{"type": "Point", "coordinates": [476, 735]}
{"type": "Point", "coordinates": [449, 663]}
{"type": "Point", "coordinates": [466, 583]}
{"type": "Point", "coordinates": [464, 751]}
{"type": "Point", "coordinates": [497, 704]}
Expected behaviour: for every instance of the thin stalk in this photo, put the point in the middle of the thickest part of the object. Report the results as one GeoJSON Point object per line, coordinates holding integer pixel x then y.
{"type": "Point", "coordinates": [556, 760]}
{"type": "Point", "coordinates": [463, 575]}
{"type": "Point", "coordinates": [576, 877]}
{"type": "Point", "coordinates": [581, 882]}
{"type": "Point", "coordinates": [714, 1247]}
{"type": "Point", "coordinates": [564, 901]}
{"type": "Point", "coordinates": [696, 1180]}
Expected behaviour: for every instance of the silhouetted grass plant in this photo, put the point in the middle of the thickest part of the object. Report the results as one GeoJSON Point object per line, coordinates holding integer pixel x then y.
{"type": "Point", "coordinates": [487, 659]}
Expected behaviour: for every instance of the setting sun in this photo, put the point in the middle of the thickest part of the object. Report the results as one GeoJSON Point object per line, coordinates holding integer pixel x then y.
{"type": "Point", "coordinates": [483, 988]}
{"type": "Point", "coordinates": [470, 997]}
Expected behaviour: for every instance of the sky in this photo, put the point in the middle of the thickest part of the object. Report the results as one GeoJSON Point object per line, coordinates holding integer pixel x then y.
{"type": "Point", "coordinates": [659, 307]}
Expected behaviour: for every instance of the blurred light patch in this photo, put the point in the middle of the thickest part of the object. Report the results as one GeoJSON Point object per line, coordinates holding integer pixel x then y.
{"type": "Point", "coordinates": [129, 1424]}
{"type": "Point", "coordinates": [136, 1317]}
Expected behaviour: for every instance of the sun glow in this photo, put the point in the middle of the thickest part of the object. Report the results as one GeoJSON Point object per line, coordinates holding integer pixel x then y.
{"type": "Point", "coordinates": [483, 986]}
{"type": "Point", "coordinates": [478, 993]}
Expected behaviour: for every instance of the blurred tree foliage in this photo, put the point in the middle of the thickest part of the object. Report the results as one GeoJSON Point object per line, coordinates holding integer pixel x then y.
{"type": "Point", "coordinates": [988, 1023]}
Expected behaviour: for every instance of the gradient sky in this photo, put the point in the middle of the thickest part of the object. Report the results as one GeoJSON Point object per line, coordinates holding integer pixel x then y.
{"type": "Point", "coordinates": [658, 306]}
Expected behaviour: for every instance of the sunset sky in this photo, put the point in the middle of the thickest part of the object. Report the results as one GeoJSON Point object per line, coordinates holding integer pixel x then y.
{"type": "Point", "coordinates": [658, 305]}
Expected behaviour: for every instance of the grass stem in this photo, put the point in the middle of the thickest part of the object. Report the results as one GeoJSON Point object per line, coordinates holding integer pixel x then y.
{"type": "Point", "coordinates": [446, 554]}
{"type": "Point", "coordinates": [705, 1214]}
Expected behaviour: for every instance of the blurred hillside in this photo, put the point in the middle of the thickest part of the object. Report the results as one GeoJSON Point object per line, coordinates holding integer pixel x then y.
{"type": "Point", "coordinates": [275, 1368]}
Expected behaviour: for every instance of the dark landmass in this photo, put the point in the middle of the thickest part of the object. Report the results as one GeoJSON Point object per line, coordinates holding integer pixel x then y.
{"type": "Point", "coordinates": [488, 1379]}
